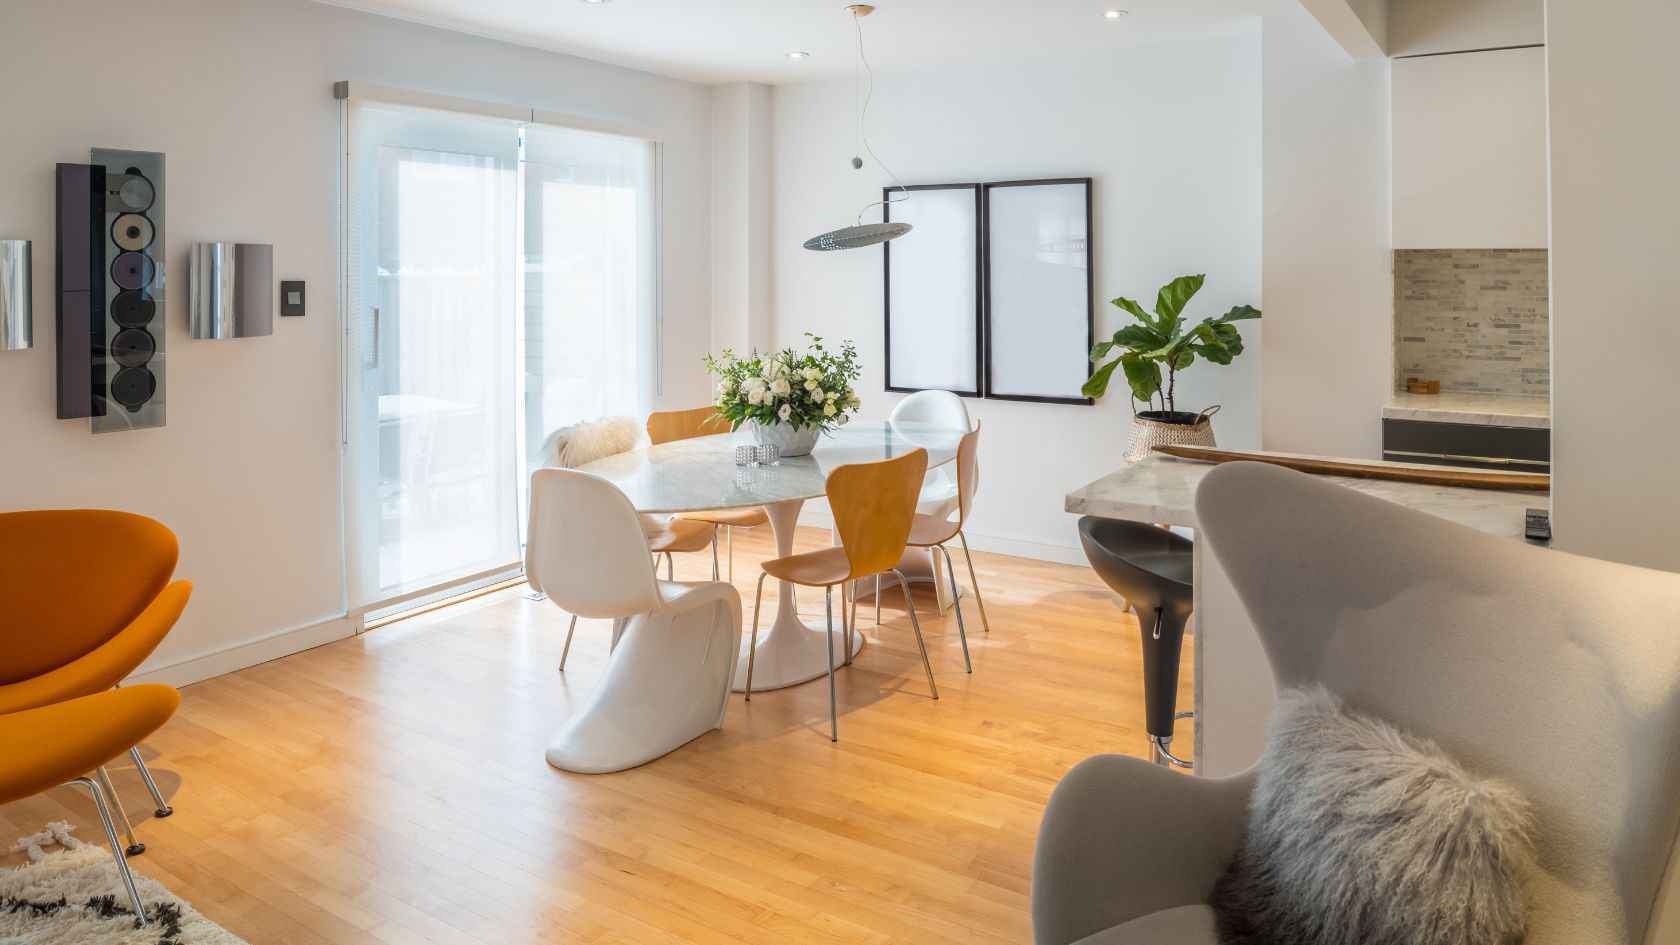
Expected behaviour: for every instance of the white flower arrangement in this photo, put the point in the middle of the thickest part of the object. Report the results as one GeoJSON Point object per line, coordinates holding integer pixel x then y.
{"type": "Point", "coordinates": [800, 389]}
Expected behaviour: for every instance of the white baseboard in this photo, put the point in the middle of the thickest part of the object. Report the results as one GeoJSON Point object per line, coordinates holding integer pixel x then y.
{"type": "Point", "coordinates": [191, 669]}
{"type": "Point", "coordinates": [995, 544]}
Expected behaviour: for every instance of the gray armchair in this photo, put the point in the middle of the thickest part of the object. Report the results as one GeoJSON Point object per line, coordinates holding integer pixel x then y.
{"type": "Point", "coordinates": [1558, 673]}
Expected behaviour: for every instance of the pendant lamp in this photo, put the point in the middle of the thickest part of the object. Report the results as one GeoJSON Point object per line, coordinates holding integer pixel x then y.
{"type": "Point", "coordinates": [863, 234]}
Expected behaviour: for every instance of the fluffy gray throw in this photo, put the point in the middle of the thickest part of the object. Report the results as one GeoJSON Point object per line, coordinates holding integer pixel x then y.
{"type": "Point", "coordinates": [1359, 834]}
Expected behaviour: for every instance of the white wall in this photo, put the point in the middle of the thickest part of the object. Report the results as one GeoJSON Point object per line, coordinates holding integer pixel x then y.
{"type": "Point", "coordinates": [1470, 150]}
{"type": "Point", "coordinates": [1170, 135]}
{"type": "Point", "coordinates": [238, 93]}
{"type": "Point", "coordinates": [740, 216]}
{"type": "Point", "coordinates": [1423, 27]}
{"type": "Point", "coordinates": [1328, 278]}
{"type": "Point", "coordinates": [1615, 456]}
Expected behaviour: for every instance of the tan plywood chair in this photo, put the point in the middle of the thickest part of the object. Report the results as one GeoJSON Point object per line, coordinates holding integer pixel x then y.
{"type": "Point", "coordinates": [873, 505]}
{"type": "Point", "coordinates": [671, 425]}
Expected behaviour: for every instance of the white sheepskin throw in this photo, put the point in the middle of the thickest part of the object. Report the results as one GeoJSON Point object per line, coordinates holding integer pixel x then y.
{"type": "Point", "coordinates": [583, 443]}
{"type": "Point", "coordinates": [74, 895]}
{"type": "Point", "coordinates": [1360, 834]}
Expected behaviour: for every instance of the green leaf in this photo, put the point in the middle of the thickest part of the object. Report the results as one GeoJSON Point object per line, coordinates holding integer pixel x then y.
{"type": "Point", "coordinates": [1136, 310]}
{"type": "Point", "coordinates": [1240, 313]}
{"type": "Point", "coordinates": [1097, 385]}
{"type": "Point", "coordinates": [1143, 376]}
{"type": "Point", "coordinates": [1101, 349]}
{"type": "Point", "coordinates": [1214, 354]}
{"type": "Point", "coordinates": [1169, 304]}
{"type": "Point", "coordinates": [1184, 358]}
{"type": "Point", "coordinates": [1138, 338]}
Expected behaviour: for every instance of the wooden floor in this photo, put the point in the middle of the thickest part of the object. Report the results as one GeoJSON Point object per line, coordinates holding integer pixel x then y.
{"type": "Point", "coordinates": [392, 788]}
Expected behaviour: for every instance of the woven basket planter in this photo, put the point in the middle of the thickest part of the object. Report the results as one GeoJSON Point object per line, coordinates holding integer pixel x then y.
{"type": "Point", "coordinates": [1153, 428]}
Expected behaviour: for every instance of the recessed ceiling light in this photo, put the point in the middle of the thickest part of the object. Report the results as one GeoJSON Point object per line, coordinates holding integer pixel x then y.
{"type": "Point", "coordinates": [797, 54]}
{"type": "Point", "coordinates": [1107, 15]}
{"type": "Point", "coordinates": [597, 2]}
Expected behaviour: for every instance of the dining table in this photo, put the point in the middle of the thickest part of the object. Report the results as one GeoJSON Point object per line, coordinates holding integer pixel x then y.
{"type": "Point", "coordinates": [701, 473]}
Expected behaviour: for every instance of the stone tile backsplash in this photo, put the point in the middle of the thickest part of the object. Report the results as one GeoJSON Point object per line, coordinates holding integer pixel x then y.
{"type": "Point", "coordinates": [1475, 319]}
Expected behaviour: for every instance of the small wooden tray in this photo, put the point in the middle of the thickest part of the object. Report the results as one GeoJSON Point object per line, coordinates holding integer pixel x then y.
{"type": "Point", "coordinates": [1423, 475]}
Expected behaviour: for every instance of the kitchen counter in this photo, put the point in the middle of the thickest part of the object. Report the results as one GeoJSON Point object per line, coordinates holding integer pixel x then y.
{"type": "Point", "coordinates": [1233, 682]}
{"type": "Point", "coordinates": [1491, 410]}
{"type": "Point", "coordinates": [1162, 489]}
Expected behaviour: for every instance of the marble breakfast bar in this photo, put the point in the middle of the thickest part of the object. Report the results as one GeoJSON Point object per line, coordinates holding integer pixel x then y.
{"type": "Point", "coordinates": [1233, 683]}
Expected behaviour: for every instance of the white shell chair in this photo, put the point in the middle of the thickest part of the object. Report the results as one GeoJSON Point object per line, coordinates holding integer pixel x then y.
{"type": "Point", "coordinates": [670, 673]}
{"type": "Point", "coordinates": [941, 408]}
{"type": "Point", "coordinates": [939, 487]}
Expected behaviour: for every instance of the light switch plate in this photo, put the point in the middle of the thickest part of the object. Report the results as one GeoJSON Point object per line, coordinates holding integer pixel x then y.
{"type": "Point", "coordinates": [291, 298]}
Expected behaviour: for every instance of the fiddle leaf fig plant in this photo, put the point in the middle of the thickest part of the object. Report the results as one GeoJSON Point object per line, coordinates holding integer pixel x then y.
{"type": "Point", "coordinates": [1153, 351]}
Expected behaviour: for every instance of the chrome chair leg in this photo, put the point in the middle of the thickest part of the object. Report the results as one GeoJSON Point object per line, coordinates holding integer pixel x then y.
{"type": "Point", "coordinates": [670, 566]}
{"type": "Point", "coordinates": [877, 600]}
{"type": "Point", "coordinates": [715, 571]}
{"type": "Point", "coordinates": [974, 582]}
{"type": "Point", "coordinates": [116, 848]}
{"type": "Point", "coordinates": [729, 533]}
{"type": "Point", "coordinates": [752, 638]}
{"type": "Point", "coordinates": [163, 808]}
{"type": "Point", "coordinates": [135, 847]}
{"type": "Point", "coordinates": [915, 623]}
{"type": "Point", "coordinates": [833, 711]}
{"type": "Point", "coordinates": [567, 649]}
{"type": "Point", "coordinates": [956, 603]}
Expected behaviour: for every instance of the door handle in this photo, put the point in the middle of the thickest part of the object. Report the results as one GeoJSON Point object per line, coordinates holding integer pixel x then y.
{"type": "Point", "coordinates": [374, 361]}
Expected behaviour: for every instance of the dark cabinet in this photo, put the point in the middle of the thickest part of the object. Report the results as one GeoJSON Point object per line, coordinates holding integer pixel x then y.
{"type": "Point", "coordinates": [1517, 449]}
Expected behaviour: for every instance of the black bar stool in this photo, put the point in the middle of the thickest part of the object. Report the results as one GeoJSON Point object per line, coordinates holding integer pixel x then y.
{"type": "Point", "coordinates": [1152, 568]}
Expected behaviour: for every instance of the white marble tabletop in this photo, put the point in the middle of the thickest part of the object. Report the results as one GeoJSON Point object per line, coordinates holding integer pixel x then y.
{"type": "Point", "coordinates": [700, 473]}
{"type": "Point", "coordinates": [1488, 410]}
{"type": "Point", "coordinates": [1163, 489]}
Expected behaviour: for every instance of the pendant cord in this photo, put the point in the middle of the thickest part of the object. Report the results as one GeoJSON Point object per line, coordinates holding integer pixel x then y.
{"type": "Point", "coordinates": [863, 129]}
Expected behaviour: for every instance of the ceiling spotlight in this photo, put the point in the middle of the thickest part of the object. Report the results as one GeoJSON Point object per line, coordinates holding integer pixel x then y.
{"type": "Point", "coordinates": [797, 54]}
{"type": "Point", "coordinates": [1107, 14]}
{"type": "Point", "coordinates": [597, 2]}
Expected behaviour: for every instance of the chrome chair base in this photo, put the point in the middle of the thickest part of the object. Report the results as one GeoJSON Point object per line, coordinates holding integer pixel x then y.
{"type": "Point", "coordinates": [1160, 749]}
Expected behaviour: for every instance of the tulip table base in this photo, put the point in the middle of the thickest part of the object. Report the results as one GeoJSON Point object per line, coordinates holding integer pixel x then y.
{"type": "Point", "coordinates": [790, 651]}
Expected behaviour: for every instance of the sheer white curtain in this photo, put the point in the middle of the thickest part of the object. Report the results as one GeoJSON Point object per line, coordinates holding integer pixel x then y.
{"type": "Point", "coordinates": [499, 284]}
{"type": "Point", "coordinates": [431, 483]}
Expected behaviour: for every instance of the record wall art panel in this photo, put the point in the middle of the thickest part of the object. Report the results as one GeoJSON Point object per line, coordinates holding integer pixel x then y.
{"type": "Point", "coordinates": [111, 277]}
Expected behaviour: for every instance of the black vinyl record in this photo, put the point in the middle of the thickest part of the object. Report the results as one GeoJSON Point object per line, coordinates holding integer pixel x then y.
{"type": "Point", "coordinates": [133, 270]}
{"type": "Point", "coordinates": [133, 347]}
{"type": "Point", "coordinates": [131, 309]}
{"type": "Point", "coordinates": [132, 387]}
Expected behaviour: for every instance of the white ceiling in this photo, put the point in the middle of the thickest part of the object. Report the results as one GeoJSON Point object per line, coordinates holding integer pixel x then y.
{"type": "Point", "coordinates": [716, 41]}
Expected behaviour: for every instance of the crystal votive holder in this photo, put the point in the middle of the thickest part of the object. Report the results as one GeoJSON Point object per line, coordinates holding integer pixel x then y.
{"type": "Point", "coordinates": [769, 454]}
{"type": "Point", "coordinates": [746, 455]}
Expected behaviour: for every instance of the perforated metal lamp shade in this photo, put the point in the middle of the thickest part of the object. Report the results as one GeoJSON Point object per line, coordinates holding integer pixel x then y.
{"type": "Point", "coordinates": [857, 237]}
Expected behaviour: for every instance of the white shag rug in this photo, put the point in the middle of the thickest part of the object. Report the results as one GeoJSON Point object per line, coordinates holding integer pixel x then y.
{"type": "Point", "coordinates": [73, 896]}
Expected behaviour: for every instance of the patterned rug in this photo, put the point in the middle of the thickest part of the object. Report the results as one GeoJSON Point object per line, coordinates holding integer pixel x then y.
{"type": "Point", "coordinates": [74, 895]}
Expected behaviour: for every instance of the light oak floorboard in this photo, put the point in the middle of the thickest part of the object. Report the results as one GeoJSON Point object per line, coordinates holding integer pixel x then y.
{"type": "Point", "coordinates": [391, 788]}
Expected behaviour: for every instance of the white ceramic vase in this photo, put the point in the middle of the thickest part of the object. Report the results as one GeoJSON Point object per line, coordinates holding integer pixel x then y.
{"type": "Point", "coordinates": [793, 442]}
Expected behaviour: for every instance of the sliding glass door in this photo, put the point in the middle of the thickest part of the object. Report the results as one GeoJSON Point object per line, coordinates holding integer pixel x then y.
{"type": "Point", "coordinates": [499, 285]}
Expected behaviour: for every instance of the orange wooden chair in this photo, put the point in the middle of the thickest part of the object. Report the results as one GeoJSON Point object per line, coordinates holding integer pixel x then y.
{"type": "Point", "coordinates": [58, 744]}
{"type": "Point", "coordinates": [873, 506]}
{"type": "Point", "coordinates": [85, 597]}
{"type": "Point", "coordinates": [670, 425]}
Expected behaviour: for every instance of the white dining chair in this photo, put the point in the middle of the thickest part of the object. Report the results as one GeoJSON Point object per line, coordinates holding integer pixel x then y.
{"type": "Point", "coordinates": [583, 443]}
{"type": "Point", "coordinates": [673, 662]}
{"type": "Point", "coordinates": [940, 408]}
{"type": "Point", "coordinates": [938, 498]}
